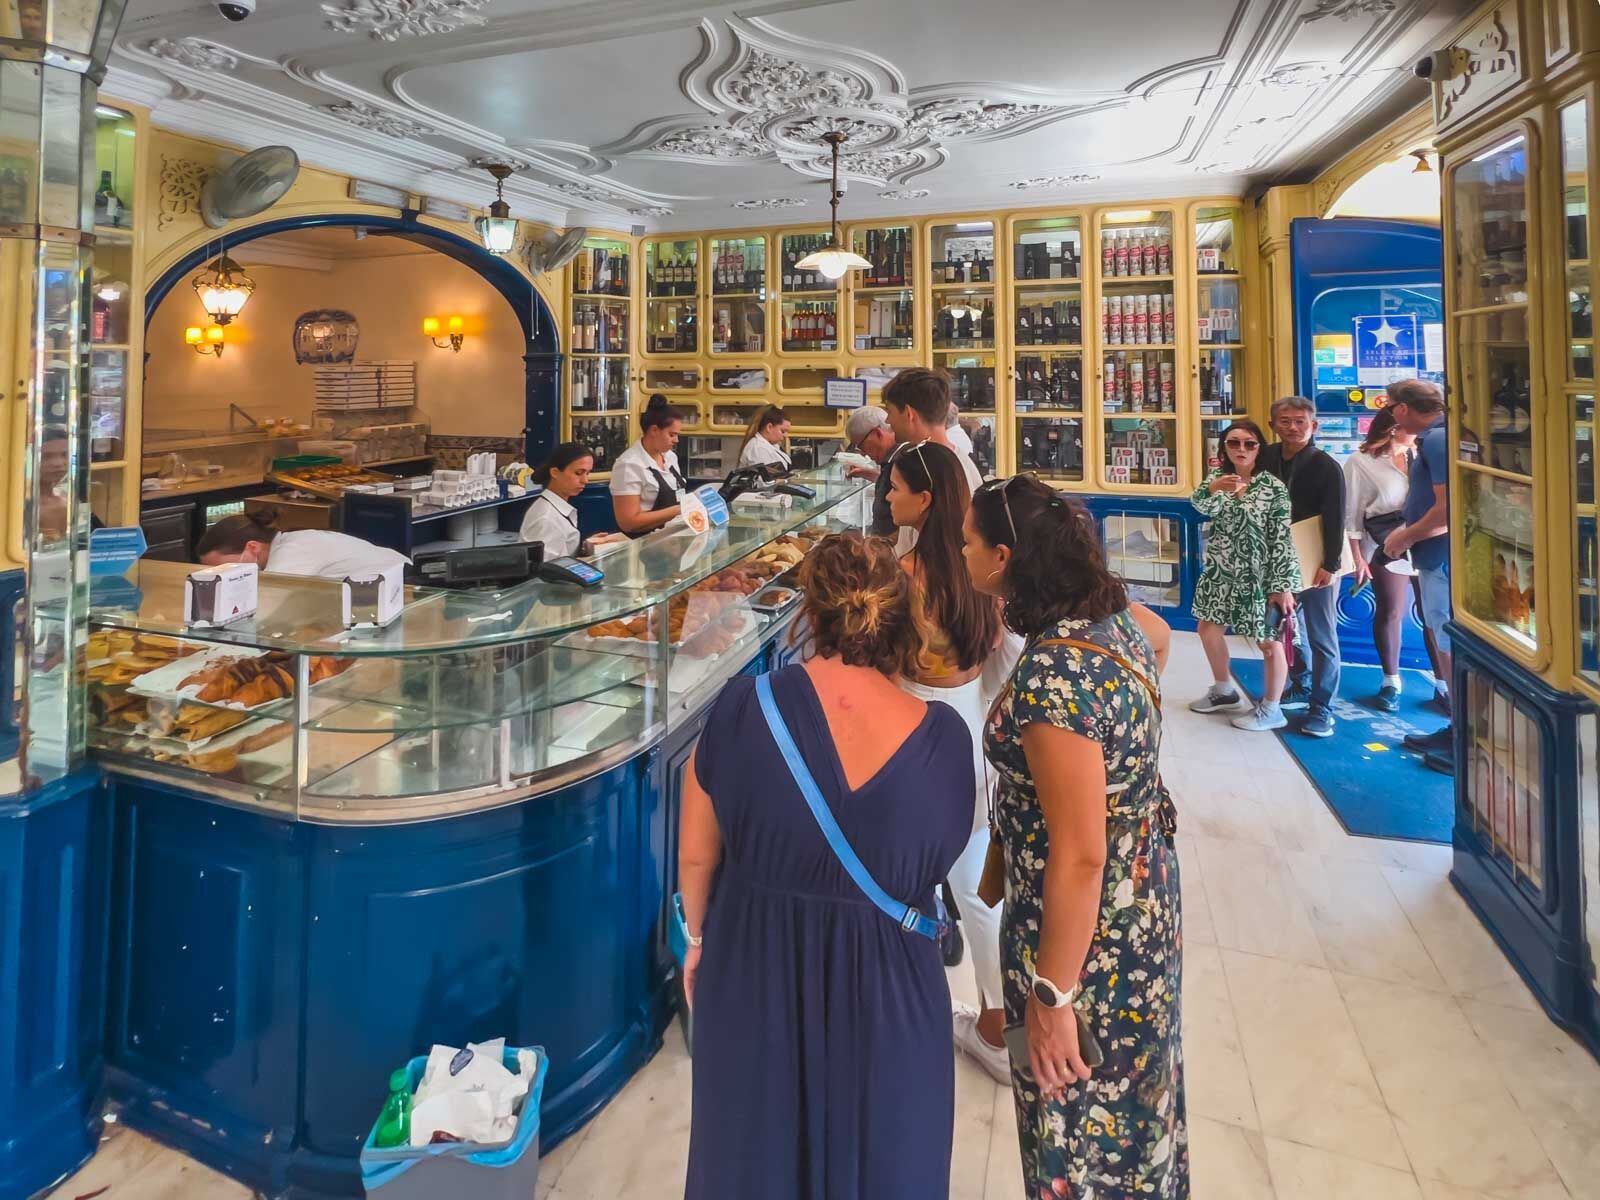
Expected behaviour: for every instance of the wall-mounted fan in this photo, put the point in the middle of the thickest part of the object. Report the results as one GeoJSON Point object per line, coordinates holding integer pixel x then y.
{"type": "Point", "coordinates": [555, 250]}
{"type": "Point", "coordinates": [250, 185]}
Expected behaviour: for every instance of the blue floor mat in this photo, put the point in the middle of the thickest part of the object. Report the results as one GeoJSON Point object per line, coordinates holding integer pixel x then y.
{"type": "Point", "coordinates": [1375, 787]}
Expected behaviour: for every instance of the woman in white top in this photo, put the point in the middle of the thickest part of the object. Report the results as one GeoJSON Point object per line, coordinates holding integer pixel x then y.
{"type": "Point", "coordinates": [551, 518]}
{"type": "Point", "coordinates": [319, 552]}
{"type": "Point", "coordinates": [646, 484]}
{"type": "Point", "coordinates": [764, 439]}
{"type": "Point", "coordinates": [1376, 480]}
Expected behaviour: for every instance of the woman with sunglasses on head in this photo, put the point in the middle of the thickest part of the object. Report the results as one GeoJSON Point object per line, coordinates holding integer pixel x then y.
{"type": "Point", "coordinates": [1250, 576]}
{"type": "Point", "coordinates": [958, 629]}
{"type": "Point", "coordinates": [1090, 942]}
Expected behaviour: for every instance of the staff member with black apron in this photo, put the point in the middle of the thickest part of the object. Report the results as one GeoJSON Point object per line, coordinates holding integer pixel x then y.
{"type": "Point", "coordinates": [646, 485]}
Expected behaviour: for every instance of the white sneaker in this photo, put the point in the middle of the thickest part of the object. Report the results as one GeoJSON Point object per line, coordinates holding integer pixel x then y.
{"type": "Point", "coordinates": [1260, 719]}
{"type": "Point", "coordinates": [992, 1059]}
{"type": "Point", "coordinates": [1217, 701]}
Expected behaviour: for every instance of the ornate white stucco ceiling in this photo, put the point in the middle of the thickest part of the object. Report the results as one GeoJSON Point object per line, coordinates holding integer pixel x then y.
{"type": "Point", "coordinates": [674, 114]}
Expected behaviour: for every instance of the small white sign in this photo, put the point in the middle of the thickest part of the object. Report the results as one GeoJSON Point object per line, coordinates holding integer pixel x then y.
{"type": "Point", "coordinates": [844, 393]}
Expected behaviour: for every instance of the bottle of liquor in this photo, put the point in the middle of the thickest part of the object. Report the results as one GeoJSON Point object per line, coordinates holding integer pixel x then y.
{"type": "Point", "coordinates": [986, 330]}
{"type": "Point", "coordinates": [830, 329]}
{"type": "Point", "coordinates": [107, 208]}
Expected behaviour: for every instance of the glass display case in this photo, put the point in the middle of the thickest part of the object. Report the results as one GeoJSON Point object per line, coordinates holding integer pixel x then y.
{"type": "Point", "coordinates": [1047, 345]}
{"type": "Point", "coordinates": [1502, 780]}
{"type": "Point", "coordinates": [467, 699]}
{"type": "Point", "coordinates": [1138, 339]}
{"type": "Point", "coordinates": [1219, 283]}
{"type": "Point", "coordinates": [883, 307]}
{"type": "Point", "coordinates": [1145, 552]}
{"type": "Point", "coordinates": [672, 291]}
{"type": "Point", "coordinates": [738, 307]}
{"type": "Point", "coordinates": [182, 462]}
{"type": "Point", "coordinates": [671, 379]}
{"type": "Point", "coordinates": [600, 365]}
{"type": "Point", "coordinates": [1579, 382]}
{"type": "Point", "coordinates": [112, 309]}
{"type": "Point", "coordinates": [740, 379]}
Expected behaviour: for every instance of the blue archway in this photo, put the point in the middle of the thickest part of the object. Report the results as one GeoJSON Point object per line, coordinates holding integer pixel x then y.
{"type": "Point", "coordinates": [542, 358]}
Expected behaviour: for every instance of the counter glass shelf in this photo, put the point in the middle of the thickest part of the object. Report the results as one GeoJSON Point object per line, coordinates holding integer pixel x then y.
{"type": "Point", "coordinates": [466, 701]}
{"type": "Point", "coordinates": [738, 306]}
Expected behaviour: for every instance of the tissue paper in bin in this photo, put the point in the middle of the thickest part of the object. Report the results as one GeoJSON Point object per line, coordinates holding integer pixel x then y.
{"type": "Point", "coordinates": [469, 1094]}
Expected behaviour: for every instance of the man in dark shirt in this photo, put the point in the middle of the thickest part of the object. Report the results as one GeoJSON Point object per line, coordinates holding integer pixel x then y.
{"type": "Point", "coordinates": [1316, 489]}
{"type": "Point", "coordinates": [867, 432]}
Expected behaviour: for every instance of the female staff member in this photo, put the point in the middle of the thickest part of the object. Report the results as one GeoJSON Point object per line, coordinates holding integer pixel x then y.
{"type": "Point", "coordinates": [319, 552]}
{"type": "Point", "coordinates": [646, 484]}
{"type": "Point", "coordinates": [1250, 564]}
{"type": "Point", "coordinates": [957, 630]}
{"type": "Point", "coordinates": [1092, 916]}
{"type": "Point", "coordinates": [764, 438]}
{"type": "Point", "coordinates": [551, 519]}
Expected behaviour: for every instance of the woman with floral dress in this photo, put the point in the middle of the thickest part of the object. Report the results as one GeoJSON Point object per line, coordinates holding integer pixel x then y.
{"type": "Point", "coordinates": [1092, 928]}
{"type": "Point", "coordinates": [1250, 565]}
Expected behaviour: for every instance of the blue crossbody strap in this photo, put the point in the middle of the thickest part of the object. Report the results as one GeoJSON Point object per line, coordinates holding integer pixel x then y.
{"type": "Point", "coordinates": [904, 915]}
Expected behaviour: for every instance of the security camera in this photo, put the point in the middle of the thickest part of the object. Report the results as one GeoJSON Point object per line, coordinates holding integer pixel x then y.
{"type": "Point", "coordinates": [1442, 64]}
{"type": "Point", "coordinates": [235, 10]}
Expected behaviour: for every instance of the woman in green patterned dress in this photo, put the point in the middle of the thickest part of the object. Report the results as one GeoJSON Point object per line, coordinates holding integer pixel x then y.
{"type": "Point", "coordinates": [1092, 929]}
{"type": "Point", "coordinates": [1250, 564]}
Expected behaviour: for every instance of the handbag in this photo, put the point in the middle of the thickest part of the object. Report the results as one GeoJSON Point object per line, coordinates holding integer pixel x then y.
{"type": "Point", "coordinates": [992, 883]}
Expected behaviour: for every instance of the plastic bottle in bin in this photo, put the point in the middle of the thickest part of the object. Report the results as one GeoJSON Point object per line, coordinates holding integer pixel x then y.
{"type": "Point", "coordinates": [394, 1123]}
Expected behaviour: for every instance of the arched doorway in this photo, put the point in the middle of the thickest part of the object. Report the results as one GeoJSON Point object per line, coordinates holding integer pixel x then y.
{"type": "Point", "coordinates": [542, 357]}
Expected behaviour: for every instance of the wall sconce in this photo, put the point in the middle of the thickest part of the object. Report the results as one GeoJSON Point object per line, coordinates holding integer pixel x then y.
{"type": "Point", "coordinates": [209, 340]}
{"type": "Point", "coordinates": [453, 326]}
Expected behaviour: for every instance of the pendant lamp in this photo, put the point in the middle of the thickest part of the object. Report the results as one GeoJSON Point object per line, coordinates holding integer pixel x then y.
{"type": "Point", "coordinates": [833, 260]}
{"type": "Point", "coordinates": [499, 229]}
{"type": "Point", "coordinates": [224, 289]}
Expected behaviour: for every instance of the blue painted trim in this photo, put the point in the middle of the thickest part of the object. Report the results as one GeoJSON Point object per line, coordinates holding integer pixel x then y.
{"type": "Point", "coordinates": [13, 585]}
{"type": "Point", "coordinates": [1541, 929]}
{"type": "Point", "coordinates": [1190, 527]}
{"type": "Point", "coordinates": [542, 382]}
{"type": "Point", "coordinates": [54, 851]}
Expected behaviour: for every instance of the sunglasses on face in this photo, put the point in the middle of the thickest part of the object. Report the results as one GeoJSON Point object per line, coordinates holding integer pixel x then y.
{"type": "Point", "coordinates": [1233, 444]}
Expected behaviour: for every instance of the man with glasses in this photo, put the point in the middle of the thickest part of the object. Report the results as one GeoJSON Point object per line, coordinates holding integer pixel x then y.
{"type": "Point", "coordinates": [1418, 407]}
{"type": "Point", "coordinates": [867, 432]}
{"type": "Point", "coordinates": [1316, 489]}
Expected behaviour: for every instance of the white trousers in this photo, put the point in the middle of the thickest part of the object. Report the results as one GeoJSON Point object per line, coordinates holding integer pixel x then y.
{"type": "Point", "coordinates": [980, 923]}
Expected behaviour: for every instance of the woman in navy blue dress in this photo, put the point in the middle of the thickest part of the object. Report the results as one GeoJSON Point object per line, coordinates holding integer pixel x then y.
{"type": "Point", "coordinates": [822, 1063]}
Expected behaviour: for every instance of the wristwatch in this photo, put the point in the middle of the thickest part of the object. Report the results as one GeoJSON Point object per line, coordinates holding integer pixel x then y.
{"type": "Point", "coordinates": [1050, 995]}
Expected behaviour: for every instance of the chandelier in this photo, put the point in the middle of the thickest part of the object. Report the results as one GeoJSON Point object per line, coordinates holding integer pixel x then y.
{"type": "Point", "coordinates": [224, 289]}
{"type": "Point", "coordinates": [833, 260]}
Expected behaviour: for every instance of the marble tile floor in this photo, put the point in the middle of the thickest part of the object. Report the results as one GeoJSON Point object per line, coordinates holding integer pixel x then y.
{"type": "Point", "coordinates": [1350, 1029]}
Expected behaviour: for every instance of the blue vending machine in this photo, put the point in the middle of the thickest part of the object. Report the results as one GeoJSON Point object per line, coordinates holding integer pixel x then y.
{"type": "Point", "coordinates": [1368, 310]}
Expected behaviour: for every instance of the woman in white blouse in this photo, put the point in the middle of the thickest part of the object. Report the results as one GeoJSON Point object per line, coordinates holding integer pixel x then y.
{"type": "Point", "coordinates": [647, 486]}
{"type": "Point", "coordinates": [764, 439]}
{"type": "Point", "coordinates": [1376, 480]}
{"type": "Point", "coordinates": [551, 518]}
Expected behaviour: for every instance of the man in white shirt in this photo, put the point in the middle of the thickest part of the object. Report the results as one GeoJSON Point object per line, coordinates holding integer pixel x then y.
{"type": "Point", "coordinates": [918, 403]}
{"type": "Point", "coordinates": [319, 552]}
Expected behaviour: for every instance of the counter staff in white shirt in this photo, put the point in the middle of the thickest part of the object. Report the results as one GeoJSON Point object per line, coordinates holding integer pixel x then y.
{"type": "Point", "coordinates": [918, 403]}
{"type": "Point", "coordinates": [646, 484]}
{"type": "Point", "coordinates": [551, 518]}
{"type": "Point", "coordinates": [764, 438]}
{"type": "Point", "coordinates": [318, 552]}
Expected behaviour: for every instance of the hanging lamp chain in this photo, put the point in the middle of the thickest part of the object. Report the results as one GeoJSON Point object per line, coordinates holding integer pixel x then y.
{"type": "Point", "coordinates": [834, 138]}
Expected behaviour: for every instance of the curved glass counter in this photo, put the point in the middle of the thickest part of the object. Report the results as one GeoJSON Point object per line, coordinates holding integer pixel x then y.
{"type": "Point", "coordinates": [469, 699]}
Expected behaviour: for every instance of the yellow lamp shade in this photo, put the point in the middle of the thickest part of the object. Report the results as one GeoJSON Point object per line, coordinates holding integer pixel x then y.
{"type": "Point", "coordinates": [193, 335]}
{"type": "Point", "coordinates": [214, 333]}
{"type": "Point", "coordinates": [430, 326]}
{"type": "Point", "coordinates": [456, 324]}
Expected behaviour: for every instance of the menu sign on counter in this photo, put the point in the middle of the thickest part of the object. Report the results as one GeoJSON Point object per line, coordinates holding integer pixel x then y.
{"type": "Point", "coordinates": [705, 509]}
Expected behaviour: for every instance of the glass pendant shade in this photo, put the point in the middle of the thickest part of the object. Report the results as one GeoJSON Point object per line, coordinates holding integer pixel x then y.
{"type": "Point", "coordinates": [832, 261]}
{"type": "Point", "coordinates": [224, 289]}
{"type": "Point", "coordinates": [498, 230]}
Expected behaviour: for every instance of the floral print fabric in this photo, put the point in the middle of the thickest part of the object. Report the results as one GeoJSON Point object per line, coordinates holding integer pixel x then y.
{"type": "Point", "coordinates": [1122, 1134]}
{"type": "Point", "coordinates": [1249, 554]}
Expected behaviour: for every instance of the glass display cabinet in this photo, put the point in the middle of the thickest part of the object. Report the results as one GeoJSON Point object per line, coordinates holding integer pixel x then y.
{"type": "Point", "coordinates": [1491, 196]}
{"type": "Point", "coordinates": [599, 350]}
{"type": "Point", "coordinates": [738, 304]}
{"type": "Point", "coordinates": [1046, 366]}
{"type": "Point", "coordinates": [1219, 333]}
{"type": "Point", "coordinates": [113, 310]}
{"type": "Point", "coordinates": [1578, 386]}
{"type": "Point", "coordinates": [671, 379]}
{"type": "Point", "coordinates": [672, 296]}
{"type": "Point", "coordinates": [883, 307]}
{"type": "Point", "coordinates": [1138, 385]}
{"type": "Point", "coordinates": [808, 307]}
{"type": "Point", "coordinates": [467, 700]}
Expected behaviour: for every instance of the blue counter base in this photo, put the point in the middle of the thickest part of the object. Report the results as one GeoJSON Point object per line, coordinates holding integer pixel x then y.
{"type": "Point", "coordinates": [53, 852]}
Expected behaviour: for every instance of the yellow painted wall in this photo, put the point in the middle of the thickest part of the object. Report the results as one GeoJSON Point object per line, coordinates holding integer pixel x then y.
{"type": "Point", "coordinates": [479, 391]}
